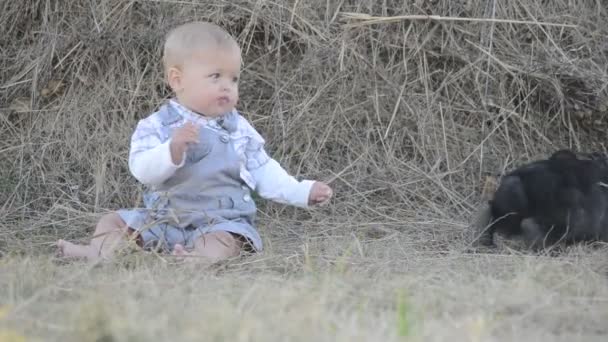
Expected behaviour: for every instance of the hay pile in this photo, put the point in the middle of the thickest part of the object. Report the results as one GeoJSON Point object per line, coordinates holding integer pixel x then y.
{"type": "Point", "coordinates": [405, 117]}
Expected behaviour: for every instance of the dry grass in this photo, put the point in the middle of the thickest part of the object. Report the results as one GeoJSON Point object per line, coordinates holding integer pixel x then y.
{"type": "Point", "coordinates": [405, 115]}
{"type": "Point", "coordinates": [367, 291]}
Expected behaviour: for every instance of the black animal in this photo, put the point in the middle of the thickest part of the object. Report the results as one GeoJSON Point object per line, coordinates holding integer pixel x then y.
{"type": "Point", "coordinates": [562, 198]}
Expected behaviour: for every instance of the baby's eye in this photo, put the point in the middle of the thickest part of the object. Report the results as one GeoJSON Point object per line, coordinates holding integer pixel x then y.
{"type": "Point", "coordinates": [235, 80]}
{"type": "Point", "coordinates": [215, 76]}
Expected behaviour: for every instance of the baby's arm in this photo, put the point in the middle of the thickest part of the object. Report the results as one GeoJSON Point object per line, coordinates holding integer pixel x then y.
{"type": "Point", "coordinates": [274, 183]}
{"type": "Point", "coordinates": [150, 159]}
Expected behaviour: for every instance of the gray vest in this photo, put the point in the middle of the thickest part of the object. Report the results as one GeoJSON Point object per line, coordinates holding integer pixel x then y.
{"type": "Point", "coordinates": [208, 189]}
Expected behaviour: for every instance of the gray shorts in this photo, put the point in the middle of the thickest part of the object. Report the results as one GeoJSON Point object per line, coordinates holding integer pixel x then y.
{"type": "Point", "coordinates": [164, 236]}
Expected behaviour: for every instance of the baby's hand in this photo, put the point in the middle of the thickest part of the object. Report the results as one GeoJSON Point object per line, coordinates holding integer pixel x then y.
{"type": "Point", "coordinates": [187, 134]}
{"type": "Point", "coordinates": [319, 193]}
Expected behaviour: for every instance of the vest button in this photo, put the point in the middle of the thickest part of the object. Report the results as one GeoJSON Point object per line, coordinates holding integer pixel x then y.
{"type": "Point", "coordinates": [224, 138]}
{"type": "Point", "coordinates": [246, 198]}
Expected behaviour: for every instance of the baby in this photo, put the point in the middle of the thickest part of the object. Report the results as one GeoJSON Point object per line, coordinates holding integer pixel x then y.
{"type": "Point", "coordinates": [199, 160]}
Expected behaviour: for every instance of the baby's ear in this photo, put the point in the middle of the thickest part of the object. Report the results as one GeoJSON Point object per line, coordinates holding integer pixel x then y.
{"type": "Point", "coordinates": [174, 78]}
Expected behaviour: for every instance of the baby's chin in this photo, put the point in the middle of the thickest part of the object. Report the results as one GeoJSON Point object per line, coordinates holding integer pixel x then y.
{"type": "Point", "coordinates": [217, 111]}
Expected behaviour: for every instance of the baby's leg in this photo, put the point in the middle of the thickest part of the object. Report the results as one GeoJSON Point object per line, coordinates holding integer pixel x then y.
{"type": "Point", "coordinates": [214, 246]}
{"type": "Point", "coordinates": [109, 235]}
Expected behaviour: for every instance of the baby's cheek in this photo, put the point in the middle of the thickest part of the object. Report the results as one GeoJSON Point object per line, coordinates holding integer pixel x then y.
{"type": "Point", "coordinates": [205, 98]}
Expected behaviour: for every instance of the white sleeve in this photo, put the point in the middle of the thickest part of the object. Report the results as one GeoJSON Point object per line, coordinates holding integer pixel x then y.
{"type": "Point", "coordinates": [150, 160]}
{"type": "Point", "coordinates": [274, 183]}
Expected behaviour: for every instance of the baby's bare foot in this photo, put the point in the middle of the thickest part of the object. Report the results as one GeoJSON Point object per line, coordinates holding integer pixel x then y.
{"type": "Point", "coordinates": [182, 255]}
{"type": "Point", "coordinates": [70, 250]}
{"type": "Point", "coordinates": [180, 251]}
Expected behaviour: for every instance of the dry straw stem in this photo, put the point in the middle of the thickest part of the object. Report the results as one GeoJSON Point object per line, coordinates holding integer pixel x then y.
{"type": "Point", "coordinates": [366, 19]}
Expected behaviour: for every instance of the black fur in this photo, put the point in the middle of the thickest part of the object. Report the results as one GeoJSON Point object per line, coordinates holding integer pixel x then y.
{"type": "Point", "coordinates": [557, 199]}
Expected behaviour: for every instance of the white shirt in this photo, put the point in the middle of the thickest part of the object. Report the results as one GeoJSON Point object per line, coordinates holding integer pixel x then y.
{"type": "Point", "coordinates": [150, 159]}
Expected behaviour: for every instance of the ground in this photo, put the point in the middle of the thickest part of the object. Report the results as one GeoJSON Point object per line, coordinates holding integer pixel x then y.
{"type": "Point", "coordinates": [335, 289]}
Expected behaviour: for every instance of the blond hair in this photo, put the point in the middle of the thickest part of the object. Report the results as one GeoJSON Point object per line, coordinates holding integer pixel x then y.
{"type": "Point", "coordinates": [187, 38]}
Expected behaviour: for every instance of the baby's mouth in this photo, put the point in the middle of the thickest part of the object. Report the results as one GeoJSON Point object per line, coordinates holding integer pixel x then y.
{"type": "Point", "coordinates": [223, 100]}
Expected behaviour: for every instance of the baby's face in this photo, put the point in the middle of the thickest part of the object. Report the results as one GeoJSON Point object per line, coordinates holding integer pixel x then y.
{"type": "Point", "coordinates": [209, 81]}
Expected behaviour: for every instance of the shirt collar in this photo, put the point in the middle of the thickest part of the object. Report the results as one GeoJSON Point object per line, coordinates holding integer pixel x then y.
{"type": "Point", "coordinates": [222, 122]}
{"type": "Point", "coordinates": [188, 114]}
